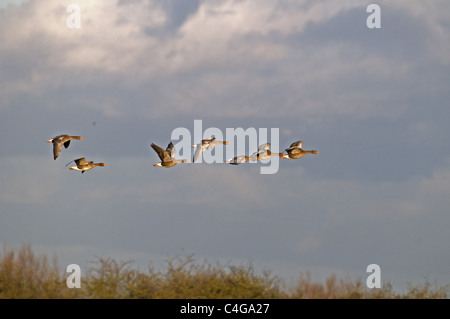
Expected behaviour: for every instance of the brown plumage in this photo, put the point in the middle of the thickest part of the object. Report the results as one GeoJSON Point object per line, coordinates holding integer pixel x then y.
{"type": "Point", "coordinates": [238, 160]}
{"type": "Point", "coordinates": [295, 151]}
{"type": "Point", "coordinates": [83, 165]}
{"type": "Point", "coordinates": [167, 156]}
{"type": "Point", "coordinates": [59, 141]}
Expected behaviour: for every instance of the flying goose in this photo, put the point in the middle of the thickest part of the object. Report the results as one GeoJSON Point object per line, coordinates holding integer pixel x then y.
{"type": "Point", "coordinates": [83, 165]}
{"type": "Point", "coordinates": [206, 144]}
{"type": "Point", "coordinates": [59, 141]}
{"type": "Point", "coordinates": [264, 152]}
{"type": "Point", "coordinates": [167, 156]}
{"type": "Point", "coordinates": [244, 158]}
{"type": "Point", "coordinates": [295, 150]}
{"type": "Point", "coordinates": [238, 160]}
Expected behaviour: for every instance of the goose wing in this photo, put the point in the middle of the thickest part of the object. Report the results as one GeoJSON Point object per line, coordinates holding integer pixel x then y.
{"type": "Point", "coordinates": [81, 161]}
{"type": "Point", "coordinates": [171, 150]}
{"type": "Point", "coordinates": [163, 154]}
{"type": "Point", "coordinates": [63, 139]}
{"type": "Point", "coordinates": [262, 150]}
{"type": "Point", "coordinates": [199, 150]}
{"type": "Point", "coordinates": [57, 148]}
{"type": "Point", "coordinates": [295, 145]}
{"type": "Point", "coordinates": [211, 142]}
{"type": "Point", "coordinates": [264, 147]}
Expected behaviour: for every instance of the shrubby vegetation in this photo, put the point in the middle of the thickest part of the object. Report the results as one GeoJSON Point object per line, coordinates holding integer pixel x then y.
{"type": "Point", "coordinates": [25, 275]}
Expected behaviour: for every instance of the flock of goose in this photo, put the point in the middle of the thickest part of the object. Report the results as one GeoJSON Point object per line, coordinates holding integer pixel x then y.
{"type": "Point", "coordinates": [167, 156]}
{"type": "Point", "coordinates": [80, 163]}
{"type": "Point", "coordinates": [294, 151]}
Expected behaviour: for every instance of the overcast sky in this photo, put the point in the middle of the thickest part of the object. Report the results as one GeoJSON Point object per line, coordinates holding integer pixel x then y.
{"type": "Point", "coordinates": [373, 102]}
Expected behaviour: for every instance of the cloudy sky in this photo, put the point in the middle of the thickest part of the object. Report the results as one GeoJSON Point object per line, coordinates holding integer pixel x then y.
{"type": "Point", "coordinates": [373, 102]}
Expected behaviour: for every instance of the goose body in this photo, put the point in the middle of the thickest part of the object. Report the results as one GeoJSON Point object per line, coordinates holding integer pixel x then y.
{"type": "Point", "coordinates": [264, 152]}
{"type": "Point", "coordinates": [83, 165]}
{"type": "Point", "coordinates": [238, 160]}
{"type": "Point", "coordinates": [269, 154]}
{"type": "Point", "coordinates": [295, 151]}
{"type": "Point", "coordinates": [244, 158]}
{"type": "Point", "coordinates": [167, 156]}
{"type": "Point", "coordinates": [206, 144]}
{"type": "Point", "coordinates": [59, 141]}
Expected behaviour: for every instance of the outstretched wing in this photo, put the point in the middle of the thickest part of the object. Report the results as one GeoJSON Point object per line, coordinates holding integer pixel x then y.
{"type": "Point", "coordinates": [210, 142]}
{"type": "Point", "coordinates": [163, 155]}
{"type": "Point", "coordinates": [199, 150]}
{"type": "Point", "coordinates": [264, 147]}
{"type": "Point", "coordinates": [171, 150]}
{"type": "Point", "coordinates": [81, 161]}
{"type": "Point", "coordinates": [57, 147]}
{"type": "Point", "coordinates": [295, 145]}
{"type": "Point", "coordinates": [69, 162]}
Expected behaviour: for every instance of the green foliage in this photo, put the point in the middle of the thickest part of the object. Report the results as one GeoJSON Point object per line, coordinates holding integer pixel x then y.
{"type": "Point", "coordinates": [27, 276]}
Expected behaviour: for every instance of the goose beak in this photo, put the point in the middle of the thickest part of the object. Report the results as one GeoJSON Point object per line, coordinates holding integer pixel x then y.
{"type": "Point", "coordinates": [49, 141]}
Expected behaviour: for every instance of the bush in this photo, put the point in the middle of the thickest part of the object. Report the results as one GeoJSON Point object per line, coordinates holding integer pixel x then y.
{"type": "Point", "coordinates": [23, 275]}
{"type": "Point", "coordinates": [27, 276]}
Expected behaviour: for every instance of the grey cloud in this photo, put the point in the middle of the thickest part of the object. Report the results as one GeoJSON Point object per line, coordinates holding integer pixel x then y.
{"type": "Point", "coordinates": [372, 102]}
